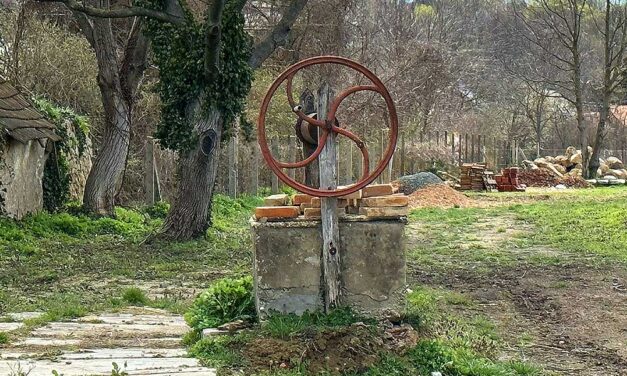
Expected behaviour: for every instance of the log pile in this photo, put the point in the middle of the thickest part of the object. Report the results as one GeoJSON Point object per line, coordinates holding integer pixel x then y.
{"type": "Point", "coordinates": [377, 201]}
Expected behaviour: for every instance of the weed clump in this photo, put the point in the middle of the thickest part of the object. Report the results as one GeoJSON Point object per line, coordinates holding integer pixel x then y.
{"type": "Point", "coordinates": [4, 338]}
{"type": "Point", "coordinates": [135, 296]}
{"type": "Point", "coordinates": [224, 301]}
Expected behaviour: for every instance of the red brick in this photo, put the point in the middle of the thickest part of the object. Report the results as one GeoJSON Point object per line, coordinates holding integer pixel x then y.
{"type": "Point", "coordinates": [387, 212]}
{"type": "Point", "coordinates": [341, 203]}
{"type": "Point", "coordinates": [301, 198]}
{"type": "Point", "coordinates": [277, 212]}
{"type": "Point", "coordinates": [277, 200]}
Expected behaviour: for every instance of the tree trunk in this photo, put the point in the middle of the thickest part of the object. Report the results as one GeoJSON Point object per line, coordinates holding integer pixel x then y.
{"type": "Point", "coordinates": [189, 216]}
{"type": "Point", "coordinates": [105, 175]}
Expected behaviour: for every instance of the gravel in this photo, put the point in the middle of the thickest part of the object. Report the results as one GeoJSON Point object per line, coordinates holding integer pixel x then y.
{"type": "Point", "coordinates": [411, 183]}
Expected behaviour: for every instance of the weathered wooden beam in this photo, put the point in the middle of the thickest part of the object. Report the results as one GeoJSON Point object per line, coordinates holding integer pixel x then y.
{"type": "Point", "coordinates": [329, 216]}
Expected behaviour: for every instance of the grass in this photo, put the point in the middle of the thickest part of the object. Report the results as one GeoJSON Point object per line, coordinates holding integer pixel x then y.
{"type": "Point", "coordinates": [590, 224]}
{"type": "Point", "coordinates": [66, 252]}
{"type": "Point", "coordinates": [135, 296]}
{"type": "Point", "coordinates": [448, 343]}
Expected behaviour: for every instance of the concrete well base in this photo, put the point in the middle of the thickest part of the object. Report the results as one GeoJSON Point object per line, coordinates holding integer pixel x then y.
{"type": "Point", "coordinates": [288, 274]}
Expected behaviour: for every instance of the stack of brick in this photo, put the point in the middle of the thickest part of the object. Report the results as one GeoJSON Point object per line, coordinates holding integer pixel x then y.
{"type": "Point", "coordinates": [371, 202]}
{"type": "Point", "coordinates": [508, 181]}
{"type": "Point", "coordinates": [472, 177]}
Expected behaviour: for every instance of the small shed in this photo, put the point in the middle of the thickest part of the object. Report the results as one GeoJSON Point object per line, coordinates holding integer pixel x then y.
{"type": "Point", "coordinates": [24, 138]}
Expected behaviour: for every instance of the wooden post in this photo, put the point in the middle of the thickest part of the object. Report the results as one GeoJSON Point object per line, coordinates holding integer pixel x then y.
{"type": "Point", "coordinates": [437, 138]}
{"type": "Point", "coordinates": [453, 145]}
{"type": "Point", "coordinates": [233, 165]}
{"type": "Point", "coordinates": [445, 138]}
{"type": "Point", "coordinates": [402, 172]}
{"type": "Point", "coordinates": [459, 138]}
{"type": "Point", "coordinates": [328, 205]}
{"type": "Point", "coordinates": [274, 145]}
{"type": "Point", "coordinates": [473, 155]}
{"type": "Point", "coordinates": [466, 151]}
{"type": "Point", "coordinates": [254, 184]}
{"type": "Point", "coordinates": [291, 155]}
{"type": "Point", "coordinates": [149, 172]}
{"type": "Point", "coordinates": [348, 177]}
{"type": "Point", "coordinates": [479, 151]}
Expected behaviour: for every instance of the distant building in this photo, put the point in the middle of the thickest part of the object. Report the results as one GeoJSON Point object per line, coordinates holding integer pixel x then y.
{"type": "Point", "coordinates": [25, 139]}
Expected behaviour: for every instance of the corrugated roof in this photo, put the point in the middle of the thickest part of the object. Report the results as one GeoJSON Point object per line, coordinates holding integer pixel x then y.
{"type": "Point", "coordinates": [20, 119]}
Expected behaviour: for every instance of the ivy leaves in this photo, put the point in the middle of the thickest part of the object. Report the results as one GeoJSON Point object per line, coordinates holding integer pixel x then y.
{"type": "Point", "coordinates": [179, 53]}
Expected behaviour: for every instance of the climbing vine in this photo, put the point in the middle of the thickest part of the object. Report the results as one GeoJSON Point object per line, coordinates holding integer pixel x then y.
{"type": "Point", "coordinates": [73, 130]}
{"type": "Point", "coordinates": [179, 52]}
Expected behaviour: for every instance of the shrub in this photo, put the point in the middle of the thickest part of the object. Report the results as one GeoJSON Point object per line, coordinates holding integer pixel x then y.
{"type": "Point", "coordinates": [4, 338]}
{"type": "Point", "coordinates": [135, 296]}
{"type": "Point", "coordinates": [224, 301]}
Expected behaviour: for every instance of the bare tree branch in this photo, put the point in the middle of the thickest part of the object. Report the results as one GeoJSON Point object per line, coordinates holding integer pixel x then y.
{"type": "Point", "coordinates": [279, 34]}
{"type": "Point", "coordinates": [119, 11]}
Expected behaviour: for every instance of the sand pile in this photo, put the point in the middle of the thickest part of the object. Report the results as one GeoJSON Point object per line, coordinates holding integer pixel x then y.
{"type": "Point", "coordinates": [438, 196]}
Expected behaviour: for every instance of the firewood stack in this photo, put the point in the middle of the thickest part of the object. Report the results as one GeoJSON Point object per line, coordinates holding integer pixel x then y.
{"type": "Point", "coordinates": [508, 181]}
{"type": "Point", "coordinates": [377, 201]}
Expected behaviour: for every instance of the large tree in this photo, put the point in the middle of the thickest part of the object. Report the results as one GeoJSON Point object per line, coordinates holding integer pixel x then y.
{"type": "Point", "coordinates": [205, 59]}
{"type": "Point", "coordinates": [121, 56]}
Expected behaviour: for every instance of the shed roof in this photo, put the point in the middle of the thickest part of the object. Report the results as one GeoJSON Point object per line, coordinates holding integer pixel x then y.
{"type": "Point", "coordinates": [20, 119]}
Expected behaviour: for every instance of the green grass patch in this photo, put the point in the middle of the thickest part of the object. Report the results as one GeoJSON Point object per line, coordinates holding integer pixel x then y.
{"type": "Point", "coordinates": [591, 227]}
{"type": "Point", "coordinates": [4, 338]}
{"type": "Point", "coordinates": [135, 296]}
{"type": "Point", "coordinates": [66, 252]}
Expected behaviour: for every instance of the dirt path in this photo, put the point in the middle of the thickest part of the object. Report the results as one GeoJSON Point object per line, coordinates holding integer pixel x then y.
{"type": "Point", "coordinates": [140, 341]}
{"type": "Point", "coordinates": [569, 316]}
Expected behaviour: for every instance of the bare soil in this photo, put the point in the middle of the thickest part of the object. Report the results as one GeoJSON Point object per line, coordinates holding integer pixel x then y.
{"type": "Point", "coordinates": [569, 317]}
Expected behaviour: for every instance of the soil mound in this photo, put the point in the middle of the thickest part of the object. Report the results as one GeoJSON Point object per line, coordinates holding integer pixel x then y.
{"type": "Point", "coordinates": [438, 196]}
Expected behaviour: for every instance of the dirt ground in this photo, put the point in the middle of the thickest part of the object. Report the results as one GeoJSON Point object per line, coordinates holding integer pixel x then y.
{"type": "Point", "coordinates": [570, 317]}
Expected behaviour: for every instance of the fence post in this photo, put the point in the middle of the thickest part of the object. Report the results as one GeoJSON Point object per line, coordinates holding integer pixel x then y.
{"type": "Point", "coordinates": [274, 144]}
{"type": "Point", "coordinates": [402, 167]}
{"type": "Point", "coordinates": [254, 184]}
{"type": "Point", "coordinates": [233, 165]}
{"type": "Point", "coordinates": [149, 172]}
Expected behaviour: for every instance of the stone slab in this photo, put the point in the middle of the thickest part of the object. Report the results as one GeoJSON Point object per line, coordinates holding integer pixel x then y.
{"type": "Point", "coordinates": [388, 212]}
{"type": "Point", "coordinates": [377, 190]}
{"type": "Point", "coordinates": [301, 198]}
{"type": "Point", "coordinates": [351, 196]}
{"type": "Point", "coordinates": [341, 203]}
{"type": "Point", "coordinates": [9, 326]}
{"type": "Point", "coordinates": [315, 213]}
{"type": "Point", "coordinates": [277, 200]}
{"type": "Point", "coordinates": [383, 201]}
{"type": "Point", "coordinates": [287, 266]}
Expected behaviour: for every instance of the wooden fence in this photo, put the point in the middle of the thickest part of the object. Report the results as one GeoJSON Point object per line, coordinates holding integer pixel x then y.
{"type": "Point", "coordinates": [245, 172]}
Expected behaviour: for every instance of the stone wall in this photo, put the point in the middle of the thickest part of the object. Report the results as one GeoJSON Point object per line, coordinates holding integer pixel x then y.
{"type": "Point", "coordinates": [79, 163]}
{"type": "Point", "coordinates": [21, 171]}
{"type": "Point", "coordinates": [287, 266]}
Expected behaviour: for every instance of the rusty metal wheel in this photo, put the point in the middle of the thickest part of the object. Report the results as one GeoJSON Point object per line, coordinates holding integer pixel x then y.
{"type": "Point", "coordinates": [328, 126]}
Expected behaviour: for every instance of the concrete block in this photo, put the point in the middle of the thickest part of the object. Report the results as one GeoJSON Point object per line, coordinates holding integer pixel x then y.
{"type": "Point", "coordinates": [383, 201]}
{"type": "Point", "coordinates": [377, 190]}
{"type": "Point", "coordinates": [277, 200]}
{"type": "Point", "coordinates": [388, 212]}
{"type": "Point", "coordinates": [287, 266]}
{"type": "Point", "coordinates": [273, 212]}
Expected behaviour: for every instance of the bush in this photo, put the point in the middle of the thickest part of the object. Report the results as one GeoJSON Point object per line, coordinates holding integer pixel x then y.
{"type": "Point", "coordinates": [135, 296]}
{"type": "Point", "coordinates": [4, 338]}
{"type": "Point", "coordinates": [225, 301]}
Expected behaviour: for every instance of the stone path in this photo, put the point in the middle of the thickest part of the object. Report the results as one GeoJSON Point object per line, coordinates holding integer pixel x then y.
{"type": "Point", "coordinates": [142, 341]}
